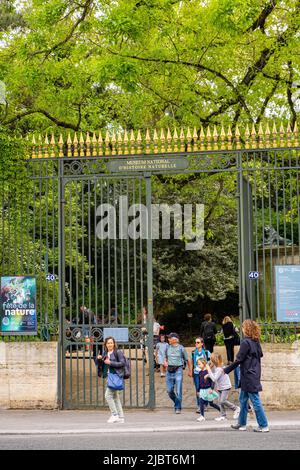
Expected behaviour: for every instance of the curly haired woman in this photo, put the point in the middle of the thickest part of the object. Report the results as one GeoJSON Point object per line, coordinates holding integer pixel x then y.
{"type": "Point", "coordinates": [249, 359]}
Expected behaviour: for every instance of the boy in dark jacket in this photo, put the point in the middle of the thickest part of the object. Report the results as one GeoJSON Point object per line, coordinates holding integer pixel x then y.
{"type": "Point", "coordinates": [249, 359]}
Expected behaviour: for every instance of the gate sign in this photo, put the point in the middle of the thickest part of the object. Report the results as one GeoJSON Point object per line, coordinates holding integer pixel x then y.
{"type": "Point", "coordinates": [288, 293]}
{"type": "Point", "coordinates": [253, 275]}
{"type": "Point", "coordinates": [147, 164]}
{"type": "Point", "coordinates": [18, 305]}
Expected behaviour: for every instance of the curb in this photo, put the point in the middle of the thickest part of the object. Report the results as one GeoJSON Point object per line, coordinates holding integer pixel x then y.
{"type": "Point", "coordinates": [139, 430]}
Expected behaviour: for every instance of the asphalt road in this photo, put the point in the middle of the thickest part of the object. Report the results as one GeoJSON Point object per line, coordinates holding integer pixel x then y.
{"type": "Point", "coordinates": [285, 440]}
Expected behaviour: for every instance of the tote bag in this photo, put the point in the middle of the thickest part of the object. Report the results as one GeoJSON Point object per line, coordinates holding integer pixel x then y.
{"type": "Point", "coordinates": [115, 382]}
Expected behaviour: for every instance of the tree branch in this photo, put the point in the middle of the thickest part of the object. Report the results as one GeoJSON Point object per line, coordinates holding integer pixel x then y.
{"type": "Point", "coordinates": [58, 122]}
{"type": "Point", "coordinates": [261, 20]}
{"type": "Point", "coordinates": [266, 101]}
{"type": "Point", "coordinates": [290, 94]}
{"type": "Point", "coordinates": [86, 9]}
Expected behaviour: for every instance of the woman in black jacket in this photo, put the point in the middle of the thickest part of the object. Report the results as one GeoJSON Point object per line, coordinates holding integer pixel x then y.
{"type": "Point", "coordinates": [229, 332]}
{"type": "Point", "coordinates": [112, 361]}
{"type": "Point", "coordinates": [249, 359]}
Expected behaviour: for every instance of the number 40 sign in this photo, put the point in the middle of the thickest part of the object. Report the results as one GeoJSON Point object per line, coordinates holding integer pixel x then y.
{"type": "Point", "coordinates": [51, 277]}
{"type": "Point", "coordinates": [253, 275]}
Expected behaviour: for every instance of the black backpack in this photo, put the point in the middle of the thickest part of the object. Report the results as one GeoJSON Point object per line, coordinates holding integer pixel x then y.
{"type": "Point", "coordinates": [208, 331]}
{"type": "Point", "coordinates": [127, 371]}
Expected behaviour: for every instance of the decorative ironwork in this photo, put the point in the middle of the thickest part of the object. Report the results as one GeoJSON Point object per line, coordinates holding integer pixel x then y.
{"type": "Point", "coordinates": [135, 334]}
{"type": "Point", "coordinates": [166, 141]}
{"type": "Point", "coordinates": [97, 334]}
{"type": "Point", "coordinates": [83, 167]}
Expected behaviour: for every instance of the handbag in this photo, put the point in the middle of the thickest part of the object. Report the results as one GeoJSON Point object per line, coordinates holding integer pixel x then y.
{"type": "Point", "coordinates": [236, 339]}
{"type": "Point", "coordinates": [208, 394]}
{"type": "Point", "coordinates": [115, 382]}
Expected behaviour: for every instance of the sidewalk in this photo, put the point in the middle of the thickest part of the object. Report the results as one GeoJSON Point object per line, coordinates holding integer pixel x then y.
{"type": "Point", "coordinates": [22, 422]}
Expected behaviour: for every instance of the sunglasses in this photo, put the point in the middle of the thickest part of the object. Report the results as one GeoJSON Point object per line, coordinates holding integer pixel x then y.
{"type": "Point", "coordinates": [198, 342]}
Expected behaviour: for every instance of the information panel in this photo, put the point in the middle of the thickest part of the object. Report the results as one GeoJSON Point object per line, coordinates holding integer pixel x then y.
{"type": "Point", "coordinates": [18, 305]}
{"type": "Point", "coordinates": [121, 335]}
{"type": "Point", "coordinates": [288, 293]}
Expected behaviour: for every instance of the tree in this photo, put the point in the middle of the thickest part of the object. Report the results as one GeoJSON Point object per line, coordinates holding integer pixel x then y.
{"type": "Point", "coordinates": [135, 63]}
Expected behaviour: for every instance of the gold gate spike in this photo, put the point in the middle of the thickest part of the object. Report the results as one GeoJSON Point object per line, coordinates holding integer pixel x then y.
{"type": "Point", "coordinates": [88, 144]}
{"type": "Point", "coordinates": [274, 136]}
{"type": "Point", "coordinates": [100, 144]}
{"type": "Point", "coordinates": [52, 145]}
{"type": "Point", "coordinates": [46, 147]}
{"type": "Point", "coordinates": [175, 138]}
{"type": "Point", "coordinates": [33, 143]}
{"type": "Point", "coordinates": [189, 140]}
{"type": "Point", "coordinates": [94, 145]}
{"type": "Point", "coordinates": [69, 146]}
{"type": "Point", "coordinates": [126, 151]}
{"type": "Point", "coordinates": [195, 140]}
{"type": "Point", "coordinates": [148, 141]}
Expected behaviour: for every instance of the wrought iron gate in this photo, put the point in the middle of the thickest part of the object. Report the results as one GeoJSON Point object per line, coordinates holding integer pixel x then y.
{"type": "Point", "coordinates": [106, 284]}
{"type": "Point", "coordinates": [51, 226]}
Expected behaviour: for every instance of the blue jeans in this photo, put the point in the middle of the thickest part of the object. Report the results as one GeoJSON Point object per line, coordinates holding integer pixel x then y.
{"type": "Point", "coordinates": [196, 382]}
{"type": "Point", "coordinates": [237, 377]}
{"type": "Point", "coordinates": [175, 379]}
{"type": "Point", "coordinates": [258, 408]}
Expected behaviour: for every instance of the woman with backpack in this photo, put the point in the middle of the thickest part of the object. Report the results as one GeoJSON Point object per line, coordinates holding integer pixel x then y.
{"type": "Point", "coordinates": [198, 353]}
{"type": "Point", "coordinates": [113, 364]}
{"type": "Point", "coordinates": [208, 331]}
{"type": "Point", "coordinates": [230, 337]}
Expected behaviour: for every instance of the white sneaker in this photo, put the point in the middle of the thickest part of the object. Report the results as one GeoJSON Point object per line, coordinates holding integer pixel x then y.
{"type": "Point", "coordinates": [221, 418]}
{"type": "Point", "coordinates": [201, 418]}
{"type": "Point", "coordinates": [121, 420]}
{"type": "Point", "coordinates": [113, 419]}
{"type": "Point", "coordinates": [236, 413]}
{"type": "Point", "coordinates": [261, 429]}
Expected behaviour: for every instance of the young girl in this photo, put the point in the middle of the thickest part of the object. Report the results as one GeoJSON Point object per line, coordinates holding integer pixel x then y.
{"type": "Point", "coordinates": [222, 385]}
{"type": "Point", "coordinates": [160, 350]}
{"type": "Point", "coordinates": [206, 394]}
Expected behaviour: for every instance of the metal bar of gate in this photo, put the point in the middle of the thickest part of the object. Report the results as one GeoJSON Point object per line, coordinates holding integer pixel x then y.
{"type": "Point", "coordinates": [61, 293]}
{"type": "Point", "coordinates": [151, 403]}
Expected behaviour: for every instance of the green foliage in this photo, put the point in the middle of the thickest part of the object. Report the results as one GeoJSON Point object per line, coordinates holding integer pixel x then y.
{"type": "Point", "coordinates": [139, 64]}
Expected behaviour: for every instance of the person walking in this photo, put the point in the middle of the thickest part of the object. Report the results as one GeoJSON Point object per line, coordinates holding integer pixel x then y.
{"type": "Point", "coordinates": [208, 331]}
{"type": "Point", "coordinates": [249, 359]}
{"type": "Point", "coordinates": [160, 354]}
{"type": "Point", "coordinates": [206, 393]}
{"type": "Point", "coordinates": [198, 353]}
{"type": "Point", "coordinates": [229, 334]}
{"type": "Point", "coordinates": [112, 364]}
{"type": "Point", "coordinates": [156, 331]}
{"type": "Point", "coordinates": [175, 361]}
{"type": "Point", "coordinates": [222, 386]}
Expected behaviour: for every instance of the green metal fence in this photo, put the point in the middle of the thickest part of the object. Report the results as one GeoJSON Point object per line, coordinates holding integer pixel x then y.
{"type": "Point", "coordinates": [49, 227]}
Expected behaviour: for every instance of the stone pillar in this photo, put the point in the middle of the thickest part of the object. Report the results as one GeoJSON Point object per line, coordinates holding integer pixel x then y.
{"type": "Point", "coordinates": [28, 375]}
{"type": "Point", "coordinates": [281, 376]}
